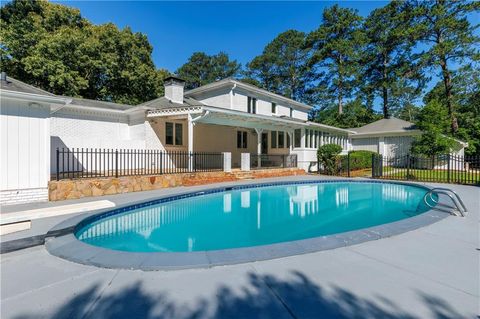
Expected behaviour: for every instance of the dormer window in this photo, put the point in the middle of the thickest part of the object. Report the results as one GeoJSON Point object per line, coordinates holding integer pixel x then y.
{"type": "Point", "coordinates": [274, 108]}
{"type": "Point", "coordinates": [252, 105]}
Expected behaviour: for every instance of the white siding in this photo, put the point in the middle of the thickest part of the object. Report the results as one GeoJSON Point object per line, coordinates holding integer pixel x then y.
{"type": "Point", "coordinates": [237, 100]}
{"type": "Point", "coordinates": [97, 130]}
{"type": "Point", "coordinates": [25, 143]}
{"type": "Point", "coordinates": [397, 145]}
{"type": "Point", "coordinates": [365, 144]}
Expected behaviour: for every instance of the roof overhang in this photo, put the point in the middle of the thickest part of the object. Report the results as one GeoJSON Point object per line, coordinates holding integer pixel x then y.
{"type": "Point", "coordinates": [221, 116]}
{"type": "Point", "coordinates": [389, 133]}
{"type": "Point", "coordinates": [33, 97]}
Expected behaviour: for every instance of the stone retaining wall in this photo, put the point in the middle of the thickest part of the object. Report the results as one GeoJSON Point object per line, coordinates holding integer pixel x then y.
{"type": "Point", "coordinates": [78, 188]}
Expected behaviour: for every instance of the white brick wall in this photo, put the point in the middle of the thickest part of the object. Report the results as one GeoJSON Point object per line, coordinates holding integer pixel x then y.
{"type": "Point", "coordinates": [21, 196]}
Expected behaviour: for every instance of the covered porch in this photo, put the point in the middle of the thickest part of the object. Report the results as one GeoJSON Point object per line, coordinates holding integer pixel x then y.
{"type": "Point", "coordinates": [268, 139]}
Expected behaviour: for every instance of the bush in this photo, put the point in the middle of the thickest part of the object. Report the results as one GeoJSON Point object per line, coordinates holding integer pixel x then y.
{"type": "Point", "coordinates": [358, 160]}
{"type": "Point", "coordinates": [328, 157]}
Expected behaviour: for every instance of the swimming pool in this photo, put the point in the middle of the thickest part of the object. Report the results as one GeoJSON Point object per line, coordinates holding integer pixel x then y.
{"type": "Point", "coordinates": [253, 216]}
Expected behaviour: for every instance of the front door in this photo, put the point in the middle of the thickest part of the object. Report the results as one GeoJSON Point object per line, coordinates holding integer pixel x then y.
{"type": "Point", "coordinates": [264, 143]}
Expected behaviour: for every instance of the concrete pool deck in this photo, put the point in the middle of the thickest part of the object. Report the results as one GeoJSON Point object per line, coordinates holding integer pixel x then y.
{"type": "Point", "coordinates": [431, 272]}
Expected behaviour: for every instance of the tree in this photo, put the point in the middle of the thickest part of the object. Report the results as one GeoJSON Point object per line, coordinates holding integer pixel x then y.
{"type": "Point", "coordinates": [282, 66]}
{"type": "Point", "coordinates": [388, 66]}
{"type": "Point", "coordinates": [355, 115]}
{"type": "Point", "coordinates": [51, 46]}
{"type": "Point", "coordinates": [433, 120]}
{"type": "Point", "coordinates": [444, 27]}
{"type": "Point", "coordinates": [466, 97]}
{"type": "Point", "coordinates": [201, 69]}
{"type": "Point", "coordinates": [336, 46]}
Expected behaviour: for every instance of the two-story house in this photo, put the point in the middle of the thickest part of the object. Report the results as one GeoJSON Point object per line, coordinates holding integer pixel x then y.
{"type": "Point", "coordinates": [225, 116]}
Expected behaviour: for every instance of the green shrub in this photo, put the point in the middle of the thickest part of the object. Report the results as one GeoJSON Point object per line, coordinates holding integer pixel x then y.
{"type": "Point", "coordinates": [328, 157]}
{"type": "Point", "coordinates": [358, 160]}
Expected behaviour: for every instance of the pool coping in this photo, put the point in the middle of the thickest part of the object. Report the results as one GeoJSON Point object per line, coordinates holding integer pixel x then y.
{"type": "Point", "coordinates": [60, 241]}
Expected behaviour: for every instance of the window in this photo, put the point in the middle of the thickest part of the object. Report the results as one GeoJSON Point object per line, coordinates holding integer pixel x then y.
{"type": "Point", "coordinates": [241, 139]}
{"type": "Point", "coordinates": [307, 138]}
{"type": "Point", "coordinates": [274, 108]}
{"type": "Point", "coordinates": [252, 105]}
{"type": "Point", "coordinates": [297, 138]}
{"type": "Point", "coordinates": [173, 133]}
{"type": "Point", "coordinates": [273, 134]}
{"type": "Point", "coordinates": [316, 140]}
{"type": "Point", "coordinates": [288, 140]}
{"type": "Point", "coordinates": [178, 134]}
{"type": "Point", "coordinates": [291, 112]}
{"type": "Point", "coordinates": [311, 139]}
{"type": "Point", "coordinates": [281, 139]}
{"type": "Point", "coordinates": [169, 133]}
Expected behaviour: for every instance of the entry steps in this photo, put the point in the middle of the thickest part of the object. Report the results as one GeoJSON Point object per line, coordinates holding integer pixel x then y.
{"type": "Point", "coordinates": [458, 209]}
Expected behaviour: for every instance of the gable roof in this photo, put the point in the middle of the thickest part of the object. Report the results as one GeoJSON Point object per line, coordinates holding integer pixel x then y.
{"type": "Point", "coordinates": [390, 125]}
{"type": "Point", "coordinates": [249, 87]}
{"type": "Point", "coordinates": [163, 102]}
{"type": "Point", "coordinates": [11, 84]}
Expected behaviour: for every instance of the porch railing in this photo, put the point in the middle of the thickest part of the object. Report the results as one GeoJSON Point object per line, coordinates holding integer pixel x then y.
{"type": "Point", "coordinates": [273, 161]}
{"type": "Point", "coordinates": [89, 162]}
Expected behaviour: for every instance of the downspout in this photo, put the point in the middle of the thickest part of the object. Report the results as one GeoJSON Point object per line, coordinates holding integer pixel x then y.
{"type": "Point", "coordinates": [202, 116]}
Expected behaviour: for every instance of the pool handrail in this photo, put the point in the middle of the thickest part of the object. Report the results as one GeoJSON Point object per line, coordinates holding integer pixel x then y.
{"type": "Point", "coordinates": [457, 201]}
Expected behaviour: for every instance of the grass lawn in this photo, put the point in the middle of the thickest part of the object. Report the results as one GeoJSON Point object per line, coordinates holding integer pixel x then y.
{"type": "Point", "coordinates": [470, 177]}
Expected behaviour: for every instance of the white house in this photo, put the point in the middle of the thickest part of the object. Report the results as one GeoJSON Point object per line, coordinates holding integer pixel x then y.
{"type": "Point", "coordinates": [224, 116]}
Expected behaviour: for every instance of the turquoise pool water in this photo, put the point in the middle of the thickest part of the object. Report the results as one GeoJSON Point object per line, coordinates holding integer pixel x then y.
{"type": "Point", "coordinates": [255, 216]}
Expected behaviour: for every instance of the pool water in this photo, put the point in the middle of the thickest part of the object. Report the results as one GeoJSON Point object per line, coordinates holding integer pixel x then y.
{"type": "Point", "coordinates": [255, 216]}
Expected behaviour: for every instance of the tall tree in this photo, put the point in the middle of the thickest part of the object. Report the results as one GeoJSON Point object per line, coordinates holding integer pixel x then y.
{"type": "Point", "coordinates": [51, 46]}
{"type": "Point", "coordinates": [336, 46]}
{"type": "Point", "coordinates": [443, 26]}
{"type": "Point", "coordinates": [466, 97]}
{"type": "Point", "coordinates": [282, 66]}
{"type": "Point", "coordinates": [201, 69]}
{"type": "Point", "coordinates": [388, 65]}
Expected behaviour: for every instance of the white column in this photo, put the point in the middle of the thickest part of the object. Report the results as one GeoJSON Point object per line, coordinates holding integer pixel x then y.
{"type": "Point", "coordinates": [227, 162]}
{"type": "Point", "coordinates": [259, 132]}
{"type": "Point", "coordinates": [245, 165]}
{"type": "Point", "coordinates": [302, 138]}
{"type": "Point", "coordinates": [291, 134]}
{"type": "Point", "coordinates": [190, 142]}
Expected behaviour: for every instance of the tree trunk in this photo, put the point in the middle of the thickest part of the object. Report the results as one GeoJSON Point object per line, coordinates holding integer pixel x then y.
{"type": "Point", "coordinates": [385, 90]}
{"type": "Point", "coordinates": [447, 80]}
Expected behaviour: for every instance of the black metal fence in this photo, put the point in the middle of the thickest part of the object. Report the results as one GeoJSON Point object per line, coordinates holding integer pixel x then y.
{"type": "Point", "coordinates": [447, 168]}
{"type": "Point", "coordinates": [273, 161]}
{"type": "Point", "coordinates": [86, 163]}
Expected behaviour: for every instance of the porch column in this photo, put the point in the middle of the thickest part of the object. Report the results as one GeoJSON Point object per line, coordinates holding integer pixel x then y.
{"type": "Point", "coordinates": [259, 132]}
{"type": "Point", "coordinates": [190, 142]}
{"type": "Point", "coordinates": [302, 138]}
{"type": "Point", "coordinates": [291, 135]}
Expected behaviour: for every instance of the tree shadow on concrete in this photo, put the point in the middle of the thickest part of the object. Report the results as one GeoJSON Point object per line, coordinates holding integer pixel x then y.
{"type": "Point", "coordinates": [264, 297]}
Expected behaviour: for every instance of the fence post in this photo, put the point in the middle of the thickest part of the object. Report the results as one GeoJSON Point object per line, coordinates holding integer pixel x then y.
{"type": "Point", "coordinates": [373, 166]}
{"type": "Point", "coordinates": [448, 168]}
{"type": "Point", "coordinates": [348, 164]}
{"type": "Point", "coordinates": [116, 163]}
{"type": "Point", "coordinates": [408, 166]}
{"type": "Point", "coordinates": [58, 163]}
